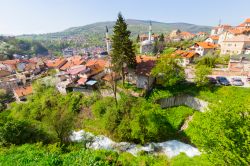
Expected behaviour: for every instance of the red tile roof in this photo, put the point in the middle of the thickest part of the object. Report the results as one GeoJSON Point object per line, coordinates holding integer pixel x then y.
{"type": "Point", "coordinates": [185, 54]}
{"type": "Point", "coordinates": [239, 38]}
{"type": "Point", "coordinates": [10, 62]}
{"type": "Point", "coordinates": [95, 69]}
{"type": "Point", "coordinates": [214, 37]}
{"type": "Point", "coordinates": [96, 66]}
{"type": "Point", "coordinates": [236, 31]}
{"type": "Point", "coordinates": [82, 81]}
{"type": "Point", "coordinates": [140, 58]}
{"type": "Point", "coordinates": [201, 33]}
{"type": "Point", "coordinates": [244, 23]}
{"type": "Point", "coordinates": [100, 62]}
{"type": "Point", "coordinates": [206, 45]}
{"type": "Point", "coordinates": [56, 63]}
{"type": "Point", "coordinates": [247, 20]}
{"type": "Point", "coordinates": [145, 64]}
{"type": "Point", "coordinates": [76, 69]}
{"type": "Point", "coordinates": [23, 91]}
{"type": "Point", "coordinates": [187, 34]}
{"type": "Point", "coordinates": [73, 61]}
{"type": "Point", "coordinates": [30, 67]}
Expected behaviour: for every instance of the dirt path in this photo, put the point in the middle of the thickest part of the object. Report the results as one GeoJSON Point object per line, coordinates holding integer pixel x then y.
{"type": "Point", "coordinates": [185, 125]}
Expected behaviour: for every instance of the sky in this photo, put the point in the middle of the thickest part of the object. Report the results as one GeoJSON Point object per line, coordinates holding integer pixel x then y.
{"type": "Point", "coordinates": [44, 16]}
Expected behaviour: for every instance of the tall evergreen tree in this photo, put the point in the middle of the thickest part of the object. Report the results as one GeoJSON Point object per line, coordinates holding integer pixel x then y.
{"type": "Point", "coordinates": [161, 39]}
{"type": "Point", "coordinates": [161, 44]}
{"type": "Point", "coordinates": [156, 45]}
{"type": "Point", "coordinates": [138, 39]}
{"type": "Point", "coordinates": [123, 54]}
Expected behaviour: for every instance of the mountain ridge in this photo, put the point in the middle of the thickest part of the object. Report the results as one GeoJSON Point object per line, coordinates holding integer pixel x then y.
{"type": "Point", "coordinates": [94, 34]}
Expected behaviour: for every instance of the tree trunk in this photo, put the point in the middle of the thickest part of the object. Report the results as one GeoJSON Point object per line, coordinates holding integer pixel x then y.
{"type": "Point", "coordinates": [114, 87]}
{"type": "Point", "coordinates": [115, 90]}
{"type": "Point", "coordinates": [123, 76]}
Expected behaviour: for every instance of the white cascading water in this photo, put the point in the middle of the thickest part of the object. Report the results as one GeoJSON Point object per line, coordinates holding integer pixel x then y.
{"type": "Point", "coordinates": [169, 148]}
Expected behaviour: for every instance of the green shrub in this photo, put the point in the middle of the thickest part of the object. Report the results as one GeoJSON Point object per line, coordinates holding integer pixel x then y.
{"type": "Point", "coordinates": [20, 132]}
{"type": "Point", "coordinates": [127, 159]}
{"type": "Point", "coordinates": [99, 108]}
{"type": "Point", "coordinates": [183, 160]}
{"type": "Point", "coordinates": [134, 119]}
{"type": "Point", "coordinates": [157, 94]}
{"type": "Point", "coordinates": [74, 155]}
{"type": "Point", "coordinates": [223, 132]}
{"type": "Point", "coordinates": [207, 60]}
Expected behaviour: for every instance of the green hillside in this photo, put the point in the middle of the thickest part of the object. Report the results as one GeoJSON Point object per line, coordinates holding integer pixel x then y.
{"type": "Point", "coordinates": [11, 45]}
{"type": "Point", "coordinates": [93, 34]}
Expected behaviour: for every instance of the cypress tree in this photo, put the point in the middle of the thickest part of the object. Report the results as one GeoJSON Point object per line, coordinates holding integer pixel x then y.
{"type": "Point", "coordinates": [123, 53]}
{"type": "Point", "coordinates": [138, 39]}
{"type": "Point", "coordinates": [161, 43]}
{"type": "Point", "coordinates": [161, 39]}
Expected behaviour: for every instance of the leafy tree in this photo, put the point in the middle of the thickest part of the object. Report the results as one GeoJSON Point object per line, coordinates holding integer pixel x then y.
{"type": "Point", "coordinates": [168, 72]}
{"type": "Point", "coordinates": [54, 112]}
{"type": "Point", "coordinates": [159, 45]}
{"type": "Point", "coordinates": [38, 48]}
{"type": "Point", "coordinates": [223, 131]}
{"type": "Point", "coordinates": [181, 44]}
{"type": "Point", "coordinates": [122, 48]}
{"type": "Point", "coordinates": [201, 73]}
{"type": "Point", "coordinates": [168, 50]}
{"type": "Point", "coordinates": [12, 45]}
{"type": "Point", "coordinates": [99, 108]}
{"type": "Point", "coordinates": [207, 60]}
{"type": "Point", "coordinates": [4, 98]}
{"type": "Point", "coordinates": [62, 122]}
{"type": "Point", "coordinates": [128, 122]}
{"type": "Point", "coordinates": [20, 132]}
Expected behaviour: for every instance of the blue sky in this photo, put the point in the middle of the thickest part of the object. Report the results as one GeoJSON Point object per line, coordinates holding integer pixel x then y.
{"type": "Point", "coordinates": [42, 16]}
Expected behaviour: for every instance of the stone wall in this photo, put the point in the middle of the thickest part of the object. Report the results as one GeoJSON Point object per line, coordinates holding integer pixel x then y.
{"type": "Point", "coordinates": [190, 101]}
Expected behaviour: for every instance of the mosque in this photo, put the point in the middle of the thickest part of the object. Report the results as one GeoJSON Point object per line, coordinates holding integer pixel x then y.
{"type": "Point", "coordinates": [147, 46]}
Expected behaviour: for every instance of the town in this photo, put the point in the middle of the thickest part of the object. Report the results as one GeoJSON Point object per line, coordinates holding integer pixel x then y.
{"type": "Point", "coordinates": [85, 73]}
{"type": "Point", "coordinates": [142, 89]}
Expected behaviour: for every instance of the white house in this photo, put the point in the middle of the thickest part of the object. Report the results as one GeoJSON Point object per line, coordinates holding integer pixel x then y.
{"type": "Point", "coordinates": [212, 39]}
{"type": "Point", "coordinates": [204, 48]}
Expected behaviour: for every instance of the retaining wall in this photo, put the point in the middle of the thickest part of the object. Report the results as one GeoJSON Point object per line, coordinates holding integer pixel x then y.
{"type": "Point", "coordinates": [187, 100]}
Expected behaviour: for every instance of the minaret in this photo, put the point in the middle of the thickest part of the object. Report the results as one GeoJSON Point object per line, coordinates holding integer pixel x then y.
{"type": "Point", "coordinates": [219, 22]}
{"type": "Point", "coordinates": [150, 32]}
{"type": "Point", "coordinates": [107, 40]}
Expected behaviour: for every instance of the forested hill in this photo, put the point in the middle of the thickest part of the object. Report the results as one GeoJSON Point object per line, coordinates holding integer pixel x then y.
{"type": "Point", "coordinates": [92, 33]}
{"type": "Point", "coordinates": [11, 45]}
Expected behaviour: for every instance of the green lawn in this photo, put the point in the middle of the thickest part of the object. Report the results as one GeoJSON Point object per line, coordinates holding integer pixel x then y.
{"type": "Point", "coordinates": [177, 115]}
